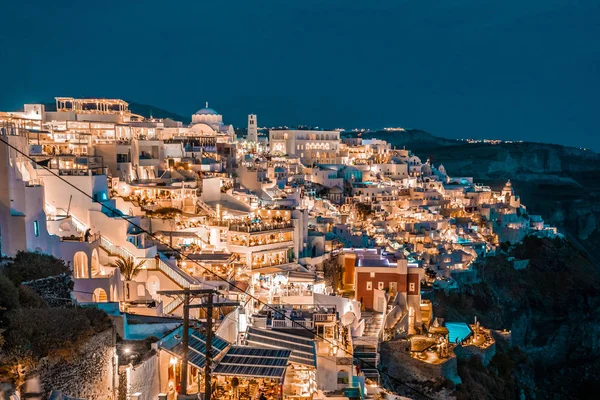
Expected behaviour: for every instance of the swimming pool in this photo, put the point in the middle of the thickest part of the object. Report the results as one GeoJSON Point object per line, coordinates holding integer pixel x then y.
{"type": "Point", "coordinates": [457, 331]}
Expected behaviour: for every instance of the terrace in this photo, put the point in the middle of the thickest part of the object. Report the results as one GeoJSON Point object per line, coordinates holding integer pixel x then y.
{"type": "Point", "coordinates": [269, 258]}
{"type": "Point", "coordinates": [72, 165]}
{"type": "Point", "coordinates": [252, 240]}
{"type": "Point", "coordinates": [295, 316]}
{"type": "Point", "coordinates": [206, 265]}
{"type": "Point", "coordinates": [262, 226]}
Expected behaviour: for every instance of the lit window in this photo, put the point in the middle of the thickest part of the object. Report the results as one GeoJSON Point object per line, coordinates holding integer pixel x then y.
{"type": "Point", "coordinates": [36, 228]}
{"type": "Point", "coordinates": [369, 285]}
{"type": "Point", "coordinates": [372, 274]}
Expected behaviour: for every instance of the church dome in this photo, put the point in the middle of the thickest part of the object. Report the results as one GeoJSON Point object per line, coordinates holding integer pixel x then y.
{"type": "Point", "coordinates": [206, 111]}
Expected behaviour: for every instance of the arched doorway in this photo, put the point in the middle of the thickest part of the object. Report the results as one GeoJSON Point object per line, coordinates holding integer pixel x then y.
{"type": "Point", "coordinates": [95, 263]}
{"type": "Point", "coordinates": [80, 265]}
{"type": "Point", "coordinates": [343, 377]}
{"type": "Point", "coordinates": [100, 296]}
{"type": "Point", "coordinates": [153, 286]}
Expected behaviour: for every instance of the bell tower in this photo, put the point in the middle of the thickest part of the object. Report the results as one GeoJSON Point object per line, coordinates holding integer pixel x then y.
{"type": "Point", "coordinates": [252, 129]}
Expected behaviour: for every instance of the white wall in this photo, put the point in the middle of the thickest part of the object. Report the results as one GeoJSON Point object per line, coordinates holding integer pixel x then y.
{"type": "Point", "coordinates": [144, 379]}
{"type": "Point", "coordinates": [211, 189]}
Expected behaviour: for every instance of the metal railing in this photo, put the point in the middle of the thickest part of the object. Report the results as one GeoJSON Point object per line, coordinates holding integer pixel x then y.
{"type": "Point", "coordinates": [176, 274]}
{"type": "Point", "coordinates": [324, 317]}
{"type": "Point", "coordinates": [294, 324]}
{"type": "Point", "coordinates": [173, 272]}
{"type": "Point", "coordinates": [114, 249]}
{"type": "Point", "coordinates": [81, 238]}
{"type": "Point", "coordinates": [260, 227]}
{"type": "Point", "coordinates": [168, 309]}
{"type": "Point", "coordinates": [206, 208]}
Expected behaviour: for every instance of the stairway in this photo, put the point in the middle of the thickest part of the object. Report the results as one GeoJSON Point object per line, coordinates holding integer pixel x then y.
{"type": "Point", "coordinates": [373, 323]}
{"type": "Point", "coordinates": [366, 347]}
{"type": "Point", "coordinates": [206, 208]}
{"type": "Point", "coordinates": [368, 357]}
{"type": "Point", "coordinates": [180, 277]}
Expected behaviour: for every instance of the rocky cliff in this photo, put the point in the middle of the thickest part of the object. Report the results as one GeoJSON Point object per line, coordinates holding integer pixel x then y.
{"type": "Point", "coordinates": [552, 309]}
{"type": "Point", "coordinates": [89, 374]}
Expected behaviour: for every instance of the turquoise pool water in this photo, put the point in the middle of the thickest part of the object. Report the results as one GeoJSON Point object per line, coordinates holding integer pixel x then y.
{"type": "Point", "coordinates": [457, 331]}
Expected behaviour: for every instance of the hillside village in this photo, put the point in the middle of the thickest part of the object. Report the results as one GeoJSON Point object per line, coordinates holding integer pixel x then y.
{"type": "Point", "coordinates": [286, 264]}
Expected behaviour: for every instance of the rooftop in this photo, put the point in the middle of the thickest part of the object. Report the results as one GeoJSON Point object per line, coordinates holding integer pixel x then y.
{"type": "Point", "coordinates": [254, 362]}
{"type": "Point", "coordinates": [206, 111]}
{"type": "Point", "coordinates": [197, 346]}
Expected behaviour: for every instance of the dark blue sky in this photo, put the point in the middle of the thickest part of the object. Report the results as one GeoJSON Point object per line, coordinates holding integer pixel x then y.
{"type": "Point", "coordinates": [510, 69]}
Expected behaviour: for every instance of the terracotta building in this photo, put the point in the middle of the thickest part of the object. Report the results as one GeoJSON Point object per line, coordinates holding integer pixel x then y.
{"type": "Point", "coordinates": [372, 275]}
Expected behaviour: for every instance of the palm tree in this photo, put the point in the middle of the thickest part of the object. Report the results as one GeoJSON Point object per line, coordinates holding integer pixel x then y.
{"type": "Point", "coordinates": [128, 267]}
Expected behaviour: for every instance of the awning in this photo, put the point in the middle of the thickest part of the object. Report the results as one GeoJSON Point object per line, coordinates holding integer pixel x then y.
{"type": "Point", "coordinates": [267, 270]}
{"type": "Point", "coordinates": [303, 348]}
{"type": "Point", "coordinates": [295, 276]}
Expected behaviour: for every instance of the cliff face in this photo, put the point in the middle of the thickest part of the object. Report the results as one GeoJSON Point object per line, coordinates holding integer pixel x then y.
{"type": "Point", "coordinates": [87, 375]}
{"type": "Point", "coordinates": [552, 309]}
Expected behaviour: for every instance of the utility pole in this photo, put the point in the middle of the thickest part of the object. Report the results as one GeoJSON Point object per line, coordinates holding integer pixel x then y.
{"type": "Point", "coordinates": [185, 341]}
{"type": "Point", "coordinates": [209, 305]}
{"type": "Point", "coordinates": [188, 295]}
{"type": "Point", "coordinates": [209, 336]}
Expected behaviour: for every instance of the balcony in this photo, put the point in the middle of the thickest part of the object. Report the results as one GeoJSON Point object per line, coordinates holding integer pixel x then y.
{"type": "Point", "coordinates": [294, 316]}
{"type": "Point", "coordinates": [261, 227]}
{"type": "Point", "coordinates": [91, 238]}
{"type": "Point", "coordinates": [324, 318]}
{"type": "Point", "coordinates": [292, 324]}
{"type": "Point", "coordinates": [71, 165]}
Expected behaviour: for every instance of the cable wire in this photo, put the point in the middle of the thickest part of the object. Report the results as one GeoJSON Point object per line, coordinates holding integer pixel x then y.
{"type": "Point", "coordinates": [120, 215]}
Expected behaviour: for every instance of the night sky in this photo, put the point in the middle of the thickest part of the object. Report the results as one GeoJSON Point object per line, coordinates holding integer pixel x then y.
{"type": "Point", "coordinates": [509, 69]}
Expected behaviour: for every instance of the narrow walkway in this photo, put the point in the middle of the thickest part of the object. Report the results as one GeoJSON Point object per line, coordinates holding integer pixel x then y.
{"type": "Point", "coordinates": [373, 322]}
{"type": "Point", "coordinates": [366, 347]}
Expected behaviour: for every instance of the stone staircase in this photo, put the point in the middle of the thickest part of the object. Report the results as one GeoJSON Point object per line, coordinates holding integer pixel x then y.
{"type": "Point", "coordinates": [206, 208]}
{"type": "Point", "coordinates": [176, 274]}
{"type": "Point", "coordinates": [366, 347]}
{"type": "Point", "coordinates": [373, 323]}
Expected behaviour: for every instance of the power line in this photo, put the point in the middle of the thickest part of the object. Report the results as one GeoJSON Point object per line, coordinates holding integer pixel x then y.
{"type": "Point", "coordinates": [294, 323]}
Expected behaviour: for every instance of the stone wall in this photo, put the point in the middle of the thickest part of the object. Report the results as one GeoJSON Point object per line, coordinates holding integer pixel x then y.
{"type": "Point", "coordinates": [486, 354]}
{"type": "Point", "coordinates": [87, 375]}
{"type": "Point", "coordinates": [398, 363]}
{"type": "Point", "coordinates": [55, 290]}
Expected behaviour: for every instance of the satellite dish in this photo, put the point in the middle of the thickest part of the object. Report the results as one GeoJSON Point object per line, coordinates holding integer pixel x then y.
{"type": "Point", "coordinates": [348, 318]}
{"type": "Point", "coordinates": [123, 189]}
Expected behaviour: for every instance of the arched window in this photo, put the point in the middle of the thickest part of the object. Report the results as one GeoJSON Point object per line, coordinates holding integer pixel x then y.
{"type": "Point", "coordinates": [80, 265]}
{"type": "Point", "coordinates": [343, 377]}
{"type": "Point", "coordinates": [100, 296]}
